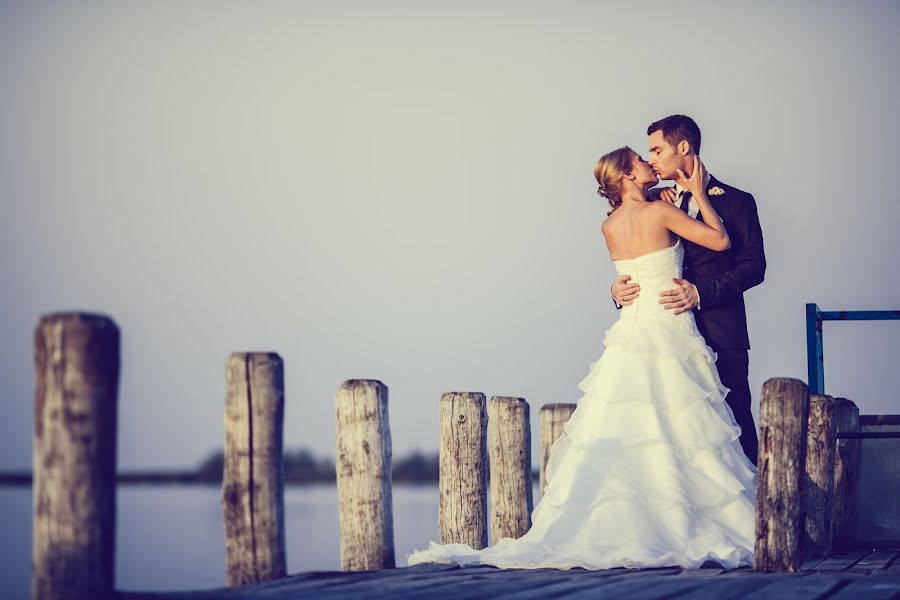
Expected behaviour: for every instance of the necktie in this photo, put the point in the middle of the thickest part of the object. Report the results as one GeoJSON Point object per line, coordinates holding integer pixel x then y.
{"type": "Point", "coordinates": [685, 201]}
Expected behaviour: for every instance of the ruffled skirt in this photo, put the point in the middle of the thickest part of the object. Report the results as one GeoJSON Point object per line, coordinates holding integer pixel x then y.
{"type": "Point", "coordinates": [649, 472]}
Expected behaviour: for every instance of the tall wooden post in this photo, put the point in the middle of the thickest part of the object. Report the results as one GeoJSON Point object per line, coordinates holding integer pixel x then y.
{"type": "Point", "coordinates": [820, 447]}
{"type": "Point", "coordinates": [462, 508]}
{"type": "Point", "coordinates": [253, 481]}
{"type": "Point", "coordinates": [553, 418]}
{"type": "Point", "coordinates": [74, 461]}
{"type": "Point", "coordinates": [364, 475]}
{"type": "Point", "coordinates": [846, 471]}
{"type": "Point", "coordinates": [509, 452]}
{"type": "Point", "coordinates": [780, 492]}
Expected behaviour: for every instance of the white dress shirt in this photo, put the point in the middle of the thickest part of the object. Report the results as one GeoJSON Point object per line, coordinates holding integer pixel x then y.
{"type": "Point", "coordinates": [693, 207]}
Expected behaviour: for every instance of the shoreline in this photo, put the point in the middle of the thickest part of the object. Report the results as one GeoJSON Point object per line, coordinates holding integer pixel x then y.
{"type": "Point", "coordinates": [24, 479]}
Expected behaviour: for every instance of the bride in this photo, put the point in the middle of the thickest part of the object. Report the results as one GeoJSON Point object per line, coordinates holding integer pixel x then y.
{"type": "Point", "coordinates": [649, 471]}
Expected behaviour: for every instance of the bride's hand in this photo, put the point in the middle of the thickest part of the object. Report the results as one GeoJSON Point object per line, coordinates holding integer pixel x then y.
{"type": "Point", "coordinates": [694, 183]}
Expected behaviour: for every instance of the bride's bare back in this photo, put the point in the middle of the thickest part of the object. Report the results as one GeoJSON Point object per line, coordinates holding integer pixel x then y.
{"type": "Point", "coordinates": [635, 230]}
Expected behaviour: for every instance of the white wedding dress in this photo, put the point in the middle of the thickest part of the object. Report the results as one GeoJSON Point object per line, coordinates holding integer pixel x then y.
{"type": "Point", "coordinates": [650, 470]}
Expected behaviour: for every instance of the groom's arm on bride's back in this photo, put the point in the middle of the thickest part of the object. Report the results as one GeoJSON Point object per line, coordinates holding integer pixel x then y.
{"type": "Point", "coordinates": [749, 269]}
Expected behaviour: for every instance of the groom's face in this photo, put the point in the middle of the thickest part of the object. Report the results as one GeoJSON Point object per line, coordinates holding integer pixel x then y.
{"type": "Point", "coordinates": [663, 156]}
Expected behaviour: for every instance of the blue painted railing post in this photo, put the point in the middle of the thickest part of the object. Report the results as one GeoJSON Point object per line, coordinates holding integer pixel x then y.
{"type": "Point", "coordinates": [814, 358]}
{"type": "Point", "coordinates": [814, 318]}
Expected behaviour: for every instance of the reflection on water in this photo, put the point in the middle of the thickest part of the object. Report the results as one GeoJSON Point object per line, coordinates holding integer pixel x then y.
{"type": "Point", "coordinates": [172, 538]}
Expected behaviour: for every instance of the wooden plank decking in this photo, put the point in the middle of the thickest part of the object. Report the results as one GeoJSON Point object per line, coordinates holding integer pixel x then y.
{"type": "Point", "coordinates": [854, 575]}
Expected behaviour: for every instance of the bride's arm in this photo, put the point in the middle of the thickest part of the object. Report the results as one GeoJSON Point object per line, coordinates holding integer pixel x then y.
{"type": "Point", "coordinates": [678, 222]}
{"type": "Point", "coordinates": [712, 236]}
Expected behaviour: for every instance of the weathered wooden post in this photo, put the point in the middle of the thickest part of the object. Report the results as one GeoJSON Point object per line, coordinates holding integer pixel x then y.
{"type": "Point", "coordinates": [363, 466]}
{"type": "Point", "coordinates": [846, 470]}
{"type": "Point", "coordinates": [74, 461]}
{"type": "Point", "coordinates": [462, 508]}
{"type": "Point", "coordinates": [552, 419]}
{"type": "Point", "coordinates": [509, 452]}
{"type": "Point", "coordinates": [253, 478]}
{"type": "Point", "coordinates": [780, 497]}
{"type": "Point", "coordinates": [820, 447]}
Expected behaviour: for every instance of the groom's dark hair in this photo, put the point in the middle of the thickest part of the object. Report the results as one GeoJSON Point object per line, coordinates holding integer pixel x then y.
{"type": "Point", "coordinates": [676, 128]}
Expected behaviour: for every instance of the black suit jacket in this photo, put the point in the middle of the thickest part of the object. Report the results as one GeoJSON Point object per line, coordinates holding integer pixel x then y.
{"type": "Point", "coordinates": [723, 277]}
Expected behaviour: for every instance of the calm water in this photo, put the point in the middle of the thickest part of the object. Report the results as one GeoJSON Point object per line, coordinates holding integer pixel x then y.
{"type": "Point", "coordinates": [172, 538]}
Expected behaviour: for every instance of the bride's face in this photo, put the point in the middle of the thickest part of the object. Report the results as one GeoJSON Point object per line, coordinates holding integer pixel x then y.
{"type": "Point", "coordinates": [644, 176]}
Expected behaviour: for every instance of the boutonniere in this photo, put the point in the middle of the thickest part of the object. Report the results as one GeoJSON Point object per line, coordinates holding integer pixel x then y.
{"type": "Point", "coordinates": [716, 191]}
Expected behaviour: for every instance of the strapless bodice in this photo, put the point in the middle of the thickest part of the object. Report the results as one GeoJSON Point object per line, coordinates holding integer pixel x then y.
{"type": "Point", "coordinates": [654, 272]}
{"type": "Point", "coordinates": [665, 262]}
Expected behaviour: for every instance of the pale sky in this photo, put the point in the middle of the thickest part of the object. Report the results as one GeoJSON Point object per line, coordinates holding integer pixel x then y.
{"type": "Point", "coordinates": [403, 191]}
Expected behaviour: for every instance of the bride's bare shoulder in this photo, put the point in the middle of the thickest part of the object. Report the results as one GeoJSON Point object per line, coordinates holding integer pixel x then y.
{"type": "Point", "coordinates": [661, 209]}
{"type": "Point", "coordinates": [608, 222]}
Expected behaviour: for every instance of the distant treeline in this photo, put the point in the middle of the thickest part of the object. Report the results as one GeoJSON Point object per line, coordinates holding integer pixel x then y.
{"type": "Point", "coordinates": [300, 466]}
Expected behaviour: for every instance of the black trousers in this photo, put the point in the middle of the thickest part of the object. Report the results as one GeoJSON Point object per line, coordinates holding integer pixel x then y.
{"type": "Point", "coordinates": [733, 365]}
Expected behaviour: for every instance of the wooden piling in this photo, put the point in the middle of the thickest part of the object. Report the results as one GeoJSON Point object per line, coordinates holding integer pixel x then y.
{"type": "Point", "coordinates": [253, 478]}
{"type": "Point", "coordinates": [363, 466]}
{"type": "Point", "coordinates": [820, 448]}
{"type": "Point", "coordinates": [74, 456]}
{"type": "Point", "coordinates": [462, 508]}
{"type": "Point", "coordinates": [509, 453]}
{"type": "Point", "coordinates": [780, 493]}
{"type": "Point", "coordinates": [552, 418]}
{"type": "Point", "coordinates": [846, 470]}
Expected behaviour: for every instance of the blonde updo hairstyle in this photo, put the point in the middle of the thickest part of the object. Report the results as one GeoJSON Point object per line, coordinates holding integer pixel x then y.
{"type": "Point", "coordinates": [610, 171]}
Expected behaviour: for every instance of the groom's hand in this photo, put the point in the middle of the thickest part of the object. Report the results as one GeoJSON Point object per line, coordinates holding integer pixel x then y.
{"type": "Point", "coordinates": [668, 194]}
{"type": "Point", "coordinates": [682, 298]}
{"type": "Point", "coordinates": [625, 292]}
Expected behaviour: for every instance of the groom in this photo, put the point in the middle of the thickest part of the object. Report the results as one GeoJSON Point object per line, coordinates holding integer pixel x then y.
{"type": "Point", "coordinates": [714, 282]}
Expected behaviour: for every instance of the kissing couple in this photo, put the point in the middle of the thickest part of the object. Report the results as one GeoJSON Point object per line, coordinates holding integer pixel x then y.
{"type": "Point", "coordinates": [656, 465]}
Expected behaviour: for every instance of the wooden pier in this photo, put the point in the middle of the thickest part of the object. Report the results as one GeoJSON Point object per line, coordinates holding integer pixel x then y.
{"type": "Point", "coordinates": [808, 461]}
{"type": "Point", "coordinates": [853, 575]}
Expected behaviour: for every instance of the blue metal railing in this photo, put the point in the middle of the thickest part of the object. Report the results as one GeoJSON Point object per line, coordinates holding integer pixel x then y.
{"type": "Point", "coordinates": [814, 317]}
